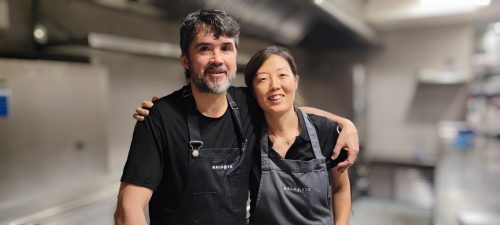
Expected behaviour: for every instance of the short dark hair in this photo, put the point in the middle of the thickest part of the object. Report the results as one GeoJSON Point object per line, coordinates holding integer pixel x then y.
{"type": "Point", "coordinates": [218, 21]}
{"type": "Point", "coordinates": [261, 56]}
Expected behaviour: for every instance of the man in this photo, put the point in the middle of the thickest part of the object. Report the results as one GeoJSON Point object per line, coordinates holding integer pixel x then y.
{"type": "Point", "coordinates": [191, 158]}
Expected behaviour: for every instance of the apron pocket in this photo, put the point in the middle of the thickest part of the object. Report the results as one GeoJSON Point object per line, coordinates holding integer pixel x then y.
{"type": "Point", "coordinates": [238, 183]}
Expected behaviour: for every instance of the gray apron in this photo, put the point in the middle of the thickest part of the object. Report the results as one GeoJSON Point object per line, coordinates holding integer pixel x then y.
{"type": "Point", "coordinates": [216, 190]}
{"type": "Point", "coordinates": [293, 192]}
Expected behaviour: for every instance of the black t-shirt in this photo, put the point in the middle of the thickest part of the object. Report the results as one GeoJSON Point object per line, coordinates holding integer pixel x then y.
{"type": "Point", "coordinates": [301, 149]}
{"type": "Point", "coordinates": [158, 156]}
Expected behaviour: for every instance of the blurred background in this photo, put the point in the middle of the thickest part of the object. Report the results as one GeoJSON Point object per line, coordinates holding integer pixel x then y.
{"type": "Point", "coordinates": [420, 79]}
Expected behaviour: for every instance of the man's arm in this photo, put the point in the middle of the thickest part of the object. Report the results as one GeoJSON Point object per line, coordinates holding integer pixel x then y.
{"type": "Point", "coordinates": [132, 201]}
{"type": "Point", "coordinates": [341, 201]}
{"type": "Point", "coordinates": [141, 112]}
{"type": "Point", "coordinates": [348, 138]}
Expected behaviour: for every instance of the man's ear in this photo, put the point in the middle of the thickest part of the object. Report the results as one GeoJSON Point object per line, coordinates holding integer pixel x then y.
{"type": "Point", "coordinates": [185, 62]}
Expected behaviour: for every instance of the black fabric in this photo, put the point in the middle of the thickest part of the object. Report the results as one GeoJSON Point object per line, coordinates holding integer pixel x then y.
{"type": "Point", "coordinates": [301, 149]}
{"type": "Point", "coordinates": [158, 157]}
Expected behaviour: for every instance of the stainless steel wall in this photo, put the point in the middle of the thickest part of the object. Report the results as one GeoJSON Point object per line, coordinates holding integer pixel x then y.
{"type": "Point", "coordinates": [55, 132]}
{"type": "Point", "coordinates": [402, 113]}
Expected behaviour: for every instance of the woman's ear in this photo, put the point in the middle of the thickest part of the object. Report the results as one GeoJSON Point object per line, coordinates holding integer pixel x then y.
{"type": "Point", "coordinates": [297, 82]}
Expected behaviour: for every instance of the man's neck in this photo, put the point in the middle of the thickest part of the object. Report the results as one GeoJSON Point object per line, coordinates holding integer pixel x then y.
{"type": "Point", "coordinates": [208, 104]}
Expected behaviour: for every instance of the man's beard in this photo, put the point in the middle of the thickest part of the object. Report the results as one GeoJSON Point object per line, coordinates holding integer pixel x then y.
{"type": "Point", "coordinates": [211, 88]}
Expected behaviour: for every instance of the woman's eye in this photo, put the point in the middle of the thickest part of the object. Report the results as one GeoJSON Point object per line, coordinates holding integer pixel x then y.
{"type": "Point", "coordinates": [261, 79]}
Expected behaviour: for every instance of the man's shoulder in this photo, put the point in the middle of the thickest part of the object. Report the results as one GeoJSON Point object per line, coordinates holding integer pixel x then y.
{"type": "Point", "coordinates": [168, 104]}
{"type": "Point", "coordinates": [173, 97]}
{"type": "Point", "coordinates": [321, 123]}
{"type": "Point", "coordinates": [242, 95]}
{"type": "Point", "coordinates": [238, 91]}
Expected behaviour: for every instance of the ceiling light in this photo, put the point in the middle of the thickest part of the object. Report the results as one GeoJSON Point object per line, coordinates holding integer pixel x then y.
{"type": "Point", "coordinates": [454, 3]}
{"type": "Point", "coordinates": [40, 34]}
{"type": "Point", "coordinates": [133, 45]}
{"type": "Point", "coordinates": [318, 2]}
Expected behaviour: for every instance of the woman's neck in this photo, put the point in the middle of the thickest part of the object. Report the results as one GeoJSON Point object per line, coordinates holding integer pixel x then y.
{"type": "Point", "coordinates": [282, 130]}
{"type": "Point", "coordinates": [284, 124]}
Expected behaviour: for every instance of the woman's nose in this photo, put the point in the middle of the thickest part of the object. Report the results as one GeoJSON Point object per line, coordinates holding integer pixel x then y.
{"type": "Point", "coordinates": [274, 84]}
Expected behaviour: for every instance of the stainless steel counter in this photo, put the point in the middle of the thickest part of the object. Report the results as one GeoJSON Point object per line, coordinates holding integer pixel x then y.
{"type": "Point", "coordinates": [467, 187]}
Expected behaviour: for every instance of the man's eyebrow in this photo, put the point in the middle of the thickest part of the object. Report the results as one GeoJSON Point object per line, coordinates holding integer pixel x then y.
{"type": "Point", "coordinates": [201, 44]}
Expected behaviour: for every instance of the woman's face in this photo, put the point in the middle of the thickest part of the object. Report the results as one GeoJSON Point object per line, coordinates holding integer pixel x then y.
{"type": "Point", "coordinates": [275, 85]}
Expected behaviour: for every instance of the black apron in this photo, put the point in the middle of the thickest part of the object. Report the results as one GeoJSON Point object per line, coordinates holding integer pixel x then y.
{"type": "Point", "coordinates": [216, 190]}
{"type": "Point", "coordinates": [293, 192]}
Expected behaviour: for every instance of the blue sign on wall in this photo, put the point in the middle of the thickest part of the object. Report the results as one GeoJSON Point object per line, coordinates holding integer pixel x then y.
{"type": "Point", "coordinates": [4, 103]}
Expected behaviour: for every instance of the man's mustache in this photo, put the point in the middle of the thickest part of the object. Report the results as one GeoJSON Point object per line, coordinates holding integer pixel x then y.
{"type": "Point", "coordinates": [215, 69]}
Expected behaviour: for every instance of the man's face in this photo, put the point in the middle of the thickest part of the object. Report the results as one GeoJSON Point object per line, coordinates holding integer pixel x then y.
{"type": "Point", "coordinates": [211, 62]}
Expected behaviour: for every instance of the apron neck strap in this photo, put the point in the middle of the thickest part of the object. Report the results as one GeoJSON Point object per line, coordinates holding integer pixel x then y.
{"type": "Point", "coordinates": [313, 136]}
{"type": "Point", "coordinates": [193, 122]}
{"type": "Point", "coordinates": [311, 130]}
{"type": "Point", "coordinates": [235, 112]}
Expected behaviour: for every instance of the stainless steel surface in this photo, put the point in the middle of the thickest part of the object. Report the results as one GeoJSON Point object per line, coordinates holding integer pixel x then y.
{"type": "Point", "coordinates": [4, 15]}
{"type": "Point", "coordinates": [468, 186]}
{"type": "Point", "coordinates": [375, 211]}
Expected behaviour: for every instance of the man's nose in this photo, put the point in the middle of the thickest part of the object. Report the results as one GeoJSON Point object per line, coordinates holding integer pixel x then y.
{"type": "Point", "coordinates": [216, 57]}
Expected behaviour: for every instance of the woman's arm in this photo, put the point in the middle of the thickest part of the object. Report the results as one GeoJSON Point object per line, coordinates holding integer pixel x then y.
{"type": "Point", "coordinates": [341, 201]}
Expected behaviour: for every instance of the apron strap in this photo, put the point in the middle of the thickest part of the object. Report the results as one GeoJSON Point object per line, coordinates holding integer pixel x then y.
{"type": "Point", "coordinates": [192, 119]}
{"type": "Point", "coordinates": [236, 115]}
{"type": "Point", "coordinates": [264, 142]}
{"type": "Point", "coordinates": [311, 130]}
{"type": "Point", "coordinates": [193, 122]}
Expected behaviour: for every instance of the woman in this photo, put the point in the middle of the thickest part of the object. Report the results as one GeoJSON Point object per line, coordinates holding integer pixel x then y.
{"type": "Point", "coordinates": [295, 174]}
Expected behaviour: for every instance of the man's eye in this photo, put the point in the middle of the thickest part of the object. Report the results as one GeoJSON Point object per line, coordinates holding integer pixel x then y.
{"type": "Point", "coordinates": [204, 49]}
{"type": "Point", "coordinates": [227, 48]}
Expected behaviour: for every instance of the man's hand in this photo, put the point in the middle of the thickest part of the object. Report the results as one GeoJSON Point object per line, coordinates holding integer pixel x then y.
{"type": "Point", "coordinates": [142, 111]}
{"type": "Point", "coordinates": [348, 139]}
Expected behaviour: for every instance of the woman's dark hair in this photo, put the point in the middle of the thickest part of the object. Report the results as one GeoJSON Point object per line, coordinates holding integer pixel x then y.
{"type": "Point", "coordinates": [218, 21]}
{"type": "Point", "coordinates": [261, 56]}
